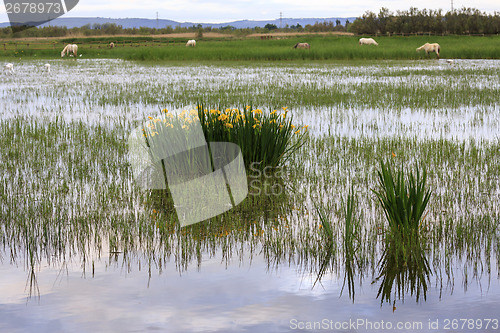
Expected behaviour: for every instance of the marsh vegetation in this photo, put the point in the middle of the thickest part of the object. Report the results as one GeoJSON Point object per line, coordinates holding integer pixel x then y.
{"type": "Point", "coordinates": [67, 192]}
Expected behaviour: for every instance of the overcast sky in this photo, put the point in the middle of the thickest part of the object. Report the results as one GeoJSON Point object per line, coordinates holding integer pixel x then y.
{"type": "Point", "coordinates": [216, 11]}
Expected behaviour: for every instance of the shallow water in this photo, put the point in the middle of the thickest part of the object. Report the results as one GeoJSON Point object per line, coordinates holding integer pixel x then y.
{"type": "Point", "coordinates": [107, 90]}
{"type": "Point", "coordinates": [248, 290]}
{"type": "Point", "coordinates": [215, 298]}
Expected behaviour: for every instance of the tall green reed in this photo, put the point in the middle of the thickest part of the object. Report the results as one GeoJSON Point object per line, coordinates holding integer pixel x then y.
{"type": "Point", "coordinates": [351, 241]}
{"type": "Point", "coordinates": [266, 139]}
{"type": "Point", "coordinates": [403, 198]}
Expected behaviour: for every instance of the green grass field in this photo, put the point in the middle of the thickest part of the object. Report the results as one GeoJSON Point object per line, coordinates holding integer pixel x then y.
{"type": "Point", "coordinates": [323, 48]}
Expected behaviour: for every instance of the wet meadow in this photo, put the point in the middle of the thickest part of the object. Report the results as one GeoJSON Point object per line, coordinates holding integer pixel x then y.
{"type": "Point", "coordinates": [312, 240]}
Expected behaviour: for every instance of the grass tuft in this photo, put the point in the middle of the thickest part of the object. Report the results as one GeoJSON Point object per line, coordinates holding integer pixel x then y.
{"type": "Point", "coordinates": [403, 197]}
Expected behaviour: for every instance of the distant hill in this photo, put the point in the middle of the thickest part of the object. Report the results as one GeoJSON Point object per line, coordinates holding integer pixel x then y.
{"type": "Point", "coordinates": [72, 22]}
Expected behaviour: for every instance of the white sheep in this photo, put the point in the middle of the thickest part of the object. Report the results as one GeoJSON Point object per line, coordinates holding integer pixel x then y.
{"type": "Point", "coordinates": [191, 42]}
{"type": "Point", "coordinates": [428, 48]}
{"type": "Point", "coordinates": [68, 49]}
{"type": "Point", "coordinates": [367, 41]}
{"type": "Point", "coordinates": [47, 68]}
{"type": "Point", "coordinates": [9, 68]}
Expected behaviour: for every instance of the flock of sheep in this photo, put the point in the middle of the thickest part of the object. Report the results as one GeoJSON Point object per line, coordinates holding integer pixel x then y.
{"type": "Point", "coordinates": [427, 47]}
{"type": "Point", "coordinates": [9, 68]}
{"type": "Point", "coordinates": [72, 50]}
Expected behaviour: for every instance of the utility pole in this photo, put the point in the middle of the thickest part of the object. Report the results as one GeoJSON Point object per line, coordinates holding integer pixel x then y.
{"type": "Point", "coordinates": [452, 5]}
{"type": "Point", "coordinates": [281, 20]}
{"type": "Point", "coordinates": [157, 19]}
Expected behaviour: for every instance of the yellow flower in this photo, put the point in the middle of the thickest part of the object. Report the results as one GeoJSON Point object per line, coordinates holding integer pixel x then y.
{"type": "Point", "coordinates": [150, 117]}
{"type": "Point", "coordinates": [274, 112]}
{"type": "Point", "coordinates": [292, 126]}
{"type": "Point", "coordinates": [305, 127]}
{"type": "Point", "coordinates": [284, 108]}
{"type": "Point", "coordinates": [254, 126]}
{"type": "Point", "coordinates": [248, 107]}
{"type": "Point", "coordinates": [284, 115]}
{"type": "Point", "coordinates": [229, 125]}
{"type": "Point", "coordinates": [297, 132]}
{"type": "Point", "coordinates": [223, 117]}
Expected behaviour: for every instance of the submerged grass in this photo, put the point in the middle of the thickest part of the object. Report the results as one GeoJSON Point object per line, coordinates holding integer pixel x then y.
{"type": "Point", "coordinates": [66, 188]}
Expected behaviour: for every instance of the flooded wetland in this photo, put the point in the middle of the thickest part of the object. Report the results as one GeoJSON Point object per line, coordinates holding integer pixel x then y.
{"type": "Point", "coordinates": [84, 248]}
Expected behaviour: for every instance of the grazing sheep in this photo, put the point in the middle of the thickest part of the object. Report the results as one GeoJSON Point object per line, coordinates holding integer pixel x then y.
{"type": "Point", "coordinates": [191, 42]}
{"type": "Point", "coordinates": [367, 41]}
{"type": "Point", "coordinates": [68, 49]}
{"type": "Point", "coordinates": [302, 46]}
{"type": "Point", "coordinates": [9, 68]}
{"type": "Point", "coordinates": [111, 45]}
{"type": "Point", "coordinates": [47, 68]}
{"type": "Point", "coordinates": [428, 48]}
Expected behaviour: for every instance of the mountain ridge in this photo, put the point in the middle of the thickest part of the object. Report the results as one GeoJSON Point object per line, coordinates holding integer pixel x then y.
{"type": "Point", "coordinates": [127, 23]}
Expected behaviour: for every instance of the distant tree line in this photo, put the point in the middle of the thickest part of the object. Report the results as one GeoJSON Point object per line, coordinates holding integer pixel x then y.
{"type": "Point", "coordinates": [463, 21]}
{"type": "Point", "coordinates": [459, 22]}
{"type": "Point", "coordinates": [114, 29]}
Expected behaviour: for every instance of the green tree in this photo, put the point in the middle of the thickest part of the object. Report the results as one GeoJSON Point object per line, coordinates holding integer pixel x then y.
{"type": "Point", "coordinates": [270, 27]}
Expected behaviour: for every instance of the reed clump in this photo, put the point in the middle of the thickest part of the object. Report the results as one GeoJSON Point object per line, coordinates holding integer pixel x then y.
{"type": "Point", "coordinates": [266, 139]}
{"type": "Point", "coordinates": [403, 197]}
